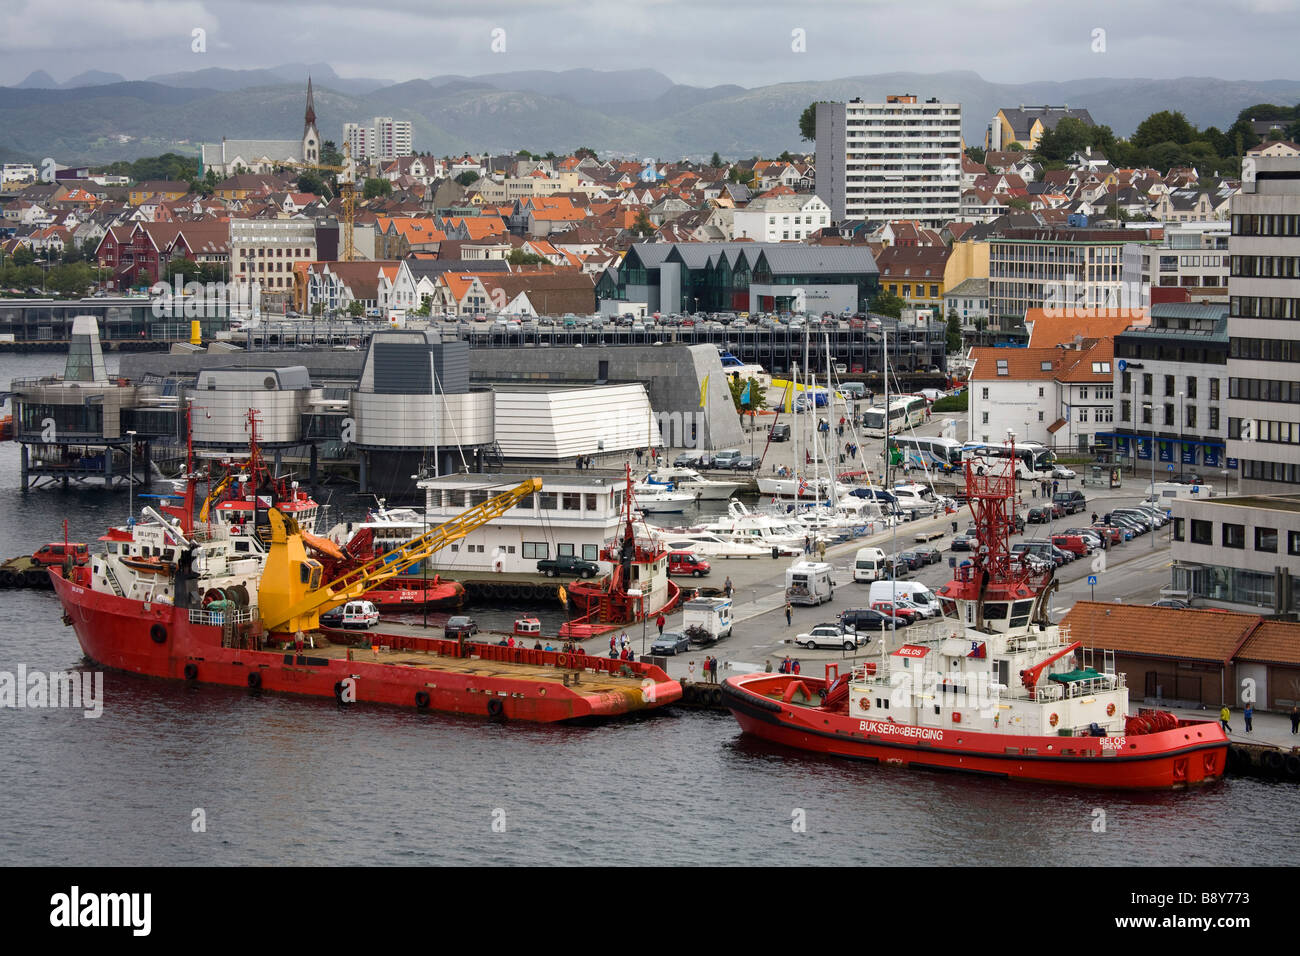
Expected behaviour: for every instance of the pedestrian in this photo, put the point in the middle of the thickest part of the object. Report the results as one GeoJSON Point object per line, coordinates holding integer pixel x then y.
{"type": "Point", "coordinates": [821, 550]}
{"type": "Point", "coordinates": [715, 670]}
{"type": "Point", "coordinates": [1033, 492]}
{"type": "Point", "coordinates": [726, 587]}
{"type": "Point", "coordinates": [807, 545]}
{"type": "Point", "coordinates": [789, 608]}
{"type": "Point", "coordinates": [622, 639]}
{"type": "Point", "coordinates": [639, 453]}
{"type": "Point", "coordinates": [794, 668]}
{"type": "Point", "coordinates": [1249, 714]}
{"type": "Point", "coordinates": [1295, 719]}
{"type": "Point", "coordinates": [611, 643]}
{"type": "Point", "coordinates": [1224, 714]}
{"type": "Point", "coordinates": [1094, 517]}
{"type": "Point", "coordinates": [691, 671]}
{"type": "Point", "coordinates": [1055, 485]}
{"type": "Point", "coordinates": [767, 669]}
{"type": "Point", "coordinates": [659, 622]}
{"type": "Point", "coordinates": [706, 669]}
{"type": "Point", "coordinates": [579, 463]}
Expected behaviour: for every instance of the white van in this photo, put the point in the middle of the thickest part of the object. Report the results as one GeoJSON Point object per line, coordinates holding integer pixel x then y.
{"type": "Point", "coordinates": [913, 591]}
{"type": "Point", "coordinates": [868, 564]}
{"type": "Point", "coordinates": [809, 582]}
{"type": "Point", "coordinates": [1167, 491]}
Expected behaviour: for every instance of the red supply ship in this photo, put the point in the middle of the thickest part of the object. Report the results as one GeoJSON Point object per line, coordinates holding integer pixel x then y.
{"type": "Point", "coordinates": [168, 599]}
{"type": "Point", "coordinates": [992, 688]}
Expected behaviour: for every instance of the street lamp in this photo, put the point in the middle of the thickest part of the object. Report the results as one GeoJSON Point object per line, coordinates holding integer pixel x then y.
{"type": "Point", "coordinates": [130, 478]}
{"type": "Point", "coordinates": [1151, 493]}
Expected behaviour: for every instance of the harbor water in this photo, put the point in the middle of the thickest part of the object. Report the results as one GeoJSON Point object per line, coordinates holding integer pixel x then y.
{"type": "Point", "coordinates": [280, 779]}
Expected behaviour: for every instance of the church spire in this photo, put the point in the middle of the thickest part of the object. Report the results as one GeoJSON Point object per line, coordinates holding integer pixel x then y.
{"type": "Point", "coordinates": [310, 119]}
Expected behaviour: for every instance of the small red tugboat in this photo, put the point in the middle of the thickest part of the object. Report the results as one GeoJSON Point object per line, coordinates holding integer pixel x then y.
{"type": "Point", "coordinates": [993, 688]}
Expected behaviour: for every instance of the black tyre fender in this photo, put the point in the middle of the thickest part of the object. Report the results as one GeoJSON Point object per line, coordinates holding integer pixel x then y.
{"type": "Point", "coordinates": [191, 671]}
{"type": "Point", "coordinates": [495, 707]}
{"type": "Point", "coordinates": [1272, 761]}
{"type": "Point", "coordinates": [1293, 766]}
{"type": "Point", "coordinates": [158, 634]}
{"type": "Point", "coordinates": [254, 680]}
{"type": "Point", "coordinates": [422, 699]}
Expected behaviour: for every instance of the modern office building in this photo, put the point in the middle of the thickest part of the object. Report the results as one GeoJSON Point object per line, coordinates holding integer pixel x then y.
{"type": "Point", "coordinates": [1190, 264]}
{"type": "Point", "coordinates": [1264, 349]}
{"type": "Point", "coordinates": [1061, 270]}
{"type": "Point", "coordinates": [900, 159]}
{"type": "Point", "coordinates": [1171, 386]}
{"type": "Point", "coordinates": [1237, 552]}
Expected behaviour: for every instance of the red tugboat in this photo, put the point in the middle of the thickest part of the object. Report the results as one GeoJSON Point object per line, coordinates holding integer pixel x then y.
{"type": "Point", "coordinates": [993, 688]}
{"type": "Point", "coordinates": [638, 588]}
{"type": "Point", "coordinates": [167, 600]}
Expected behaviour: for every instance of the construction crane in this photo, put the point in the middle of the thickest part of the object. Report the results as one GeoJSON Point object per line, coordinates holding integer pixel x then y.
{"type": "Point", "coordinates": [291, 595]}
{"type": "Point", "coordinates": [347, 190]}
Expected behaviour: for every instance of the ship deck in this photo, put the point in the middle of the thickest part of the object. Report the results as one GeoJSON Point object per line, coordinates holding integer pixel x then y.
{"type": "Point", "coordinates": [591, 681]}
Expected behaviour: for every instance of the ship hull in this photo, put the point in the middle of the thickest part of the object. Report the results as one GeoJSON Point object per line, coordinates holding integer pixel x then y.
{"type": "Point", "coordinates": [161, 641]}
{"type": "Point", "coordinates": [1189, 755]}
{"type": "Point", "coordinates": [411, 594]}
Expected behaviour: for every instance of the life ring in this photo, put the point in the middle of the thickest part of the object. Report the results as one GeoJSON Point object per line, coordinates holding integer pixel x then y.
{"type": "Point", "coordinates": [1053, 720]}
{"type": "Point", "coordinates": [1110, 710]}
{"type": "Point", "coordinates": [254, 680]}
{"type": "Point", "coordinates": [562, 660]}
{"type": "Point", "coordinates": [158, 634]}
{"type": "Point", "coordinates": [422, 699]}
{"type": "Point", "coordinates": [864, 703]}
{"type": "Point", "coordinates": [495, 707]}
{"type": "Point", "coordinates": [191, 671]}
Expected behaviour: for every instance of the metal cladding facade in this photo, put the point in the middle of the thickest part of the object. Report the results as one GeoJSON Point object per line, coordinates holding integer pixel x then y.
{"type": "Point", "coordinates": [223, 398]}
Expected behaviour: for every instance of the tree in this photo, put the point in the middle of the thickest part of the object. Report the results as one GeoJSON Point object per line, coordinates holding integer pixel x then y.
{"type": "Point", "coordinates": [377, 187]}
{"type": "Point", "coordinates": [426, 303]}
{"type": "Point", "coordinates": [23, 256]}
{"type": "Point", "coordinates": [1013, 147]}
{"type": "Point", "coordinates": [785, 157]}
{"type": "Point", "coordinates": [318, 308]}
{"type": "Point", "coordinates": [954, 332]}
{"type": "Point", "coordinates": [975, 153]}
{"type": "Point", "coordinates": [808, 122]}
{"type": "Point", "coordinates": [584, 152]}
{"type": "Point", "coordinates": [1019, 203]}
{"type": "Point", "coordinates": [887, 303]}
{"type": "Point", "coordinates": [311, 182]}
{"type": "Point", "coordinates": [1069, 137]}
{"type": "Point", "coordinates": [518, 257]}
{"type": "Point", "coordinates": [643, 226]}
{"type": "Point", "coordinates": [356, 309]}
{"type": "Point", "coordinates": [1163, 127]}
{"type": "Point", "coordinates": [757, 394]}
{"type": "Point", "coordinates": [467, 178]}
{"type": "Point", "coordinates": [187, 269]}
{"type": "Point", "coordinates": [716, 161]}
{"type": "Point", "coordinates": [330, 154]}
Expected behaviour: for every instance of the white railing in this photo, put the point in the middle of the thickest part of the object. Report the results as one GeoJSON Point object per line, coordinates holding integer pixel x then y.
{"type": "Point", "coordinates": [220, 618]}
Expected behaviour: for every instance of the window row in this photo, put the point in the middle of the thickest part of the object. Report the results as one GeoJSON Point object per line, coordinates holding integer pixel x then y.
{"type": "Point", "coordinates": [1259, 390]}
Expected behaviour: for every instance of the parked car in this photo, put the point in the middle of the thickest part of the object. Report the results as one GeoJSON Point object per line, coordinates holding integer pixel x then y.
{"type": "Point", "coordinates": [1090, 537]}
{"type": "Point", "coordinates": [869, 619]}
{"type": "Point", "coordinates": [52, 555]}
{"type": "Point", "coordinates": [687, 459]}
{"type": "Point", "coordinates": [912, 559]}
{"type": "Point", "coordinates": [1071, 543]}
{"type": "Point", "coordinates": [670, 642]}
{"type": "Point", "coordinates": [779, 432]}
{"type": "Point", "coordinates": [1110, 533]}
{"type": "Point", "coordinates": [1040, 515]}
{"type": "Point", "coordinates": [459, 626]}
{"type": "Point", "coordinates": [568, 564]}
{"type": "Point", "coordinates": [354, 615]}
{"type": "Point", "coordinates": [684, 562]}
{"type": "Point", "coordinates": [829, 635]}
{"type": "Point", "coordinates": [1171, 602]}
{"type": "Point", "coordinates": [1062, 473]}
{"type": "Point", "coordinates": [1072, 501]}
{"type": "Point", "coordinates": [964, 542]}
{"type": "Point", "coordinates": [910, 614]}
{"type": "Point", "coordinates": [931, 555]}
{"type": "Point", "coordinates": [746, 463]}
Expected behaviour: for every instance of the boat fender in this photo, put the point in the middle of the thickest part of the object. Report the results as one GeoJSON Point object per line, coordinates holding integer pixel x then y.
{"type": "Point", "coordinates": [1293, 766]}
{"type": "Point", "coordinates": [1053, 720]}
{"type": "Point", "coordinates": [1272, 761]}
{"type": "Point", "coordinates": [192, 671]}
{"type": "Point", "coordinates": [562, 660]}
{"type": "Point", "coordinates": [495, 707]}
{"type": "Point", "coordinates": [254, 680]}
{"type": "Point", "coordinates": [422, 699]}
{"type": "Point", "coordinates": [716, 697]}
{"type": "Point", "coordinates": [864, 703]}
{"type": "Point", "coordinates": [158, 633]}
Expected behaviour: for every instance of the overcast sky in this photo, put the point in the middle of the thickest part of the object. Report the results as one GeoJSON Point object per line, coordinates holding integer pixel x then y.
{"type": "Point", "coordinates": [697, 42]}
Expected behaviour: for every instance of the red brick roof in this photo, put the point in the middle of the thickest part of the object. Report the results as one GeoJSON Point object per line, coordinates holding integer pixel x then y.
{"type": "Point", "coordinates": [1276, 642]}
{"type": "Point", "coordinates": [1021, 364]}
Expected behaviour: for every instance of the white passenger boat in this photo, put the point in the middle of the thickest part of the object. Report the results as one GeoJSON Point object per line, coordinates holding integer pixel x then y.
{"type": "Point", "coordinates": [693, 483]}
{"type": "Point", "coordinates": [663, 502]}
{"type": "Point", "coordinates": [741, 524]}
{"type": "Point", "coordinates": [709, 544]}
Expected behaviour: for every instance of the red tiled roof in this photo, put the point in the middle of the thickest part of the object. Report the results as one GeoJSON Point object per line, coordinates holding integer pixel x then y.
{"type": "Point", "coordinates": [1276, 642]}
{"type": "Point", "coordinates": [1178, 633]}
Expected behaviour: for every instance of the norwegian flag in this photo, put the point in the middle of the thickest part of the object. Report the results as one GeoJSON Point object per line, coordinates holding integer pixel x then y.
{"type": "Point", "coordinates": [803, 485]}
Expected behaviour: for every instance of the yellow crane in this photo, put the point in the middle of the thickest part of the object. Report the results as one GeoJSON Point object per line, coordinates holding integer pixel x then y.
{"type": "Point", "coordinates": [347, 190]}
{"type": "Point", "coordinates": [291, 595]}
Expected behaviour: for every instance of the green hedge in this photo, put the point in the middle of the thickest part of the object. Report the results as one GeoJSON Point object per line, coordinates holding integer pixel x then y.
{"type": "Point", "coordinates": [952, 403]}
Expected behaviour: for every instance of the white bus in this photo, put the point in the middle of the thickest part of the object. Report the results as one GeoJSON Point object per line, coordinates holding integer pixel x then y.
{"type": "Point", "coordinates": [1032, 459]}
{"type": "Point", "coordinates": [904, 411]}
{"type": "Point", "coordinates": [942, 455]}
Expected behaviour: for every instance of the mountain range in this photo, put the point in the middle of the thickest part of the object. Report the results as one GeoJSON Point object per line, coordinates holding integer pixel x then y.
{"type": "Point", "coordinates": [99, 117]}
